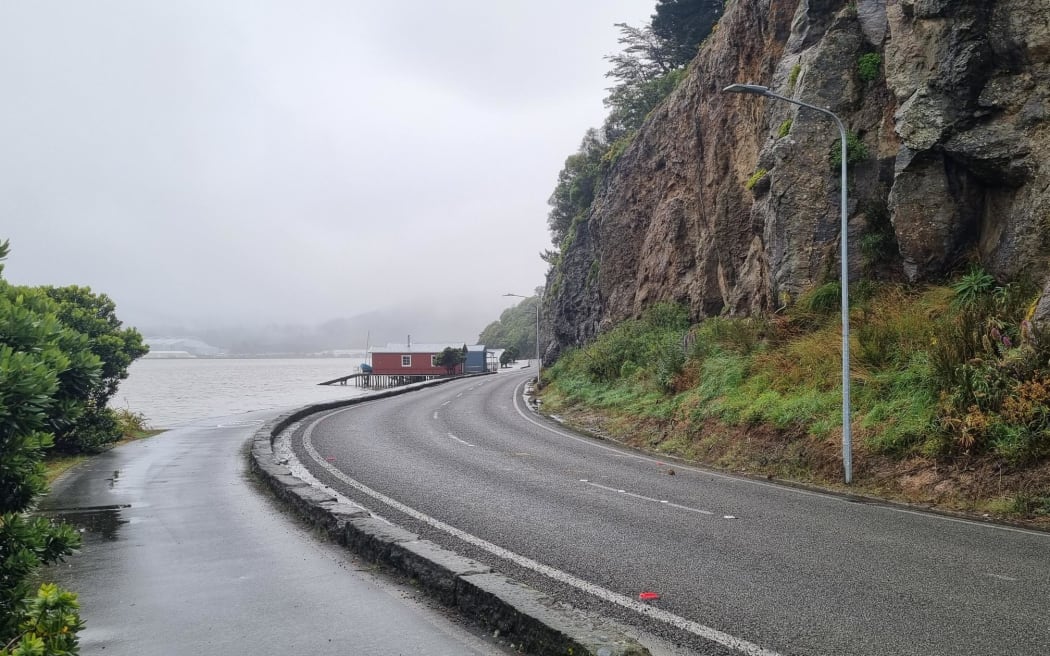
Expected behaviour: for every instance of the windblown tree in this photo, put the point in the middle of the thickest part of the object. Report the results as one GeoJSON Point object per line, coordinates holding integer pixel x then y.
{"type": "Point", "coordinates": [648, 68]}
{"type": "Point", "coordinates": [682, 25]}
{"type": "Point", "coordinates": [577, 184]}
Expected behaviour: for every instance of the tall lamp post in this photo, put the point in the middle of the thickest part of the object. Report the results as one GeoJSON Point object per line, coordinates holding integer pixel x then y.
{"type": "Point", "coordinates": [539, 364]}
{"type": "Point", "coordinates": [847, 437]}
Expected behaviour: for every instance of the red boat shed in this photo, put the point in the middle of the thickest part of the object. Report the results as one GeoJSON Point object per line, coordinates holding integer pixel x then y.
{"type": "Point", "coordinates": [410, 359]}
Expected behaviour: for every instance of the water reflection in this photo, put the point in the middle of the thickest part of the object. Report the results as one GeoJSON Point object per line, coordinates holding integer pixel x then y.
{"type": "Point", "coordinates": [101, 521]}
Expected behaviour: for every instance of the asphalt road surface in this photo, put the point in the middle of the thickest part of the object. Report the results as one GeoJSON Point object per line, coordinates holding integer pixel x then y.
{"type": "Point", "coordinates": [741, 566]}
{"type": "Point", "coordinates": [183, 554]}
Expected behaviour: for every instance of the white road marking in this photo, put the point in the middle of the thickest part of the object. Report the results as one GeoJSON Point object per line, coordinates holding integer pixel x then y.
{"type": "Point", "coordinates": [446, 402]}
{"type": "Point", "coordinates": [705, 632]}
{"type": "Point", "coordinates": [781, 488]}
{"type": "Point", "coordinates": [459, 440]}
{"type": "Point", "coordinates": [1000, 577]}
{"type": "Point", "coordinates": [435, 414]}
{"type": "Point", "coordinates": [645, 498]}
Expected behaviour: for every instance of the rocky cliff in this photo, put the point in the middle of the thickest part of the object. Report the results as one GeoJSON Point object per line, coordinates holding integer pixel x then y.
{"type": "Point", "coordinates": [952, 139]}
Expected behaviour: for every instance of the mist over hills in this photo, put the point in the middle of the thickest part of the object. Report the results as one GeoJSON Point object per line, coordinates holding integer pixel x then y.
{"type": "Point", "coordinates": [454, 323]}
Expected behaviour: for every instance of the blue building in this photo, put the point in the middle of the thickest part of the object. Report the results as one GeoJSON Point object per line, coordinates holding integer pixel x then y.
{"type": "Point", "coordinates": [477, 359]}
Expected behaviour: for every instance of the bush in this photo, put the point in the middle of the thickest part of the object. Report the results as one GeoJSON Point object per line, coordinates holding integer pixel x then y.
{"type": "Point", "coordinates": [856, 151]}
{"type": "Point", "coordinates": [132, 424]}
{"type": "Point", "coordinates": [45, 369]}
{"type": "Point", "coordinates": [785, 128]}
{"type": "Point", "coordinates": [822, 300]}
{"type": "Point", "coordinates": [868, 66]}
{"type": "Point", "coordinates": [755, 177]}
{"type": "Point", "coordinates": [793, 76]}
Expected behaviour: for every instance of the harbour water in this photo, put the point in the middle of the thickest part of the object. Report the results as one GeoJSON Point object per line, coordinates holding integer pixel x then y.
{"type": "Point", "coordinates": [176, 391]}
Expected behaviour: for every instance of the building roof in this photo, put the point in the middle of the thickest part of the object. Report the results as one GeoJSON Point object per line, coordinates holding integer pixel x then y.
{"type": "Point", "coordinates": [418, 348]}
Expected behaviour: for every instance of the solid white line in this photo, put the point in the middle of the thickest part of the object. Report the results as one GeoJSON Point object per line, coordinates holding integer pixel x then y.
{"type": "Point", "coordinates": [782, 488]}
{"type": "Point", "coordinates": [705, 632]}
{"type": "Point", "coordinates": [459, 440]}
{"type": "Point", "coordinates": [645, 498]}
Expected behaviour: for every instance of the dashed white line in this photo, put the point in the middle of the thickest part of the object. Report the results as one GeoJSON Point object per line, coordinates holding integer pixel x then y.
{"type": "Point", "coordinates": [645, 498]}
{"type": "Point", "coordinates": [705, 632]}
{"type": "Point", "coordinates": [747, 481]}
{"type": "Point", "coordinates": [459, 440]}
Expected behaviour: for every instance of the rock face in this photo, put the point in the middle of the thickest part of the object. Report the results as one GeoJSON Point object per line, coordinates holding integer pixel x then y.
{"type": "Point", "coordinates": [954, 132]}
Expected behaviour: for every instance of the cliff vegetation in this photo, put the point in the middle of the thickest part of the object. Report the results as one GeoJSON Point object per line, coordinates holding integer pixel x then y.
{"type": "Point", "coordinates": [693, 289]}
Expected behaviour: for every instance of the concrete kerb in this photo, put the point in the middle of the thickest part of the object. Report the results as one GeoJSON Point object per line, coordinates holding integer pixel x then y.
{"type": "Point", "coordinates": [519, 613]}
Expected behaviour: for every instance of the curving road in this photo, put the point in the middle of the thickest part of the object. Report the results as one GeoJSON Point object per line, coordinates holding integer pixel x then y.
{"type": "Point", "coordinates": [182, 555]}
{"type": "Point", "coordinates": [741, 566]}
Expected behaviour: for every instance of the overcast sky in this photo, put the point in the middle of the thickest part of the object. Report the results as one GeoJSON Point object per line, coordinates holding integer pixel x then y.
{"type": "Point", "coordinates": [218, 162]}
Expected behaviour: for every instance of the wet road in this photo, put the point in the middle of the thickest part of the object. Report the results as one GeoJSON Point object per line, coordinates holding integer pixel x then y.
{"type": "Point", "coordinates": [183, 554]}
{"type": "Point", "coordinates": [742, 566]}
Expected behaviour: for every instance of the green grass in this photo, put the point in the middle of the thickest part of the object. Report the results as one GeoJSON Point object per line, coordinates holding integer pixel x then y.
{"type": "Point", "coordinates": [785, 373]}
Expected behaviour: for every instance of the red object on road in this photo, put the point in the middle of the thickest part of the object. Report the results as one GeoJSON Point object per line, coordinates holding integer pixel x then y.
{"type": "Point", "coordinates": [649, 596]}
{"type": "Point", "coordinates": [330, 458]}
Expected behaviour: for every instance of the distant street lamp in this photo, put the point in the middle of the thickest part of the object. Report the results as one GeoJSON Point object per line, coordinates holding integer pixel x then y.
{"type": "Point", "coordinates": [847, 437]}
{"type": "Point", "coordinates": [539, 364]}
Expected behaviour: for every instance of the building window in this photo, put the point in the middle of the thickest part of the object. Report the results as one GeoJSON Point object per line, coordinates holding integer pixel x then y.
{"type": "Point", "coordinates": [406, 360]}
{"type": "Point", "coordinates": [433, 361]}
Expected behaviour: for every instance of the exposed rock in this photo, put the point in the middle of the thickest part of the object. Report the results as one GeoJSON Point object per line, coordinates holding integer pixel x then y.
{"type": "Point", "coordinates": [956, 131]}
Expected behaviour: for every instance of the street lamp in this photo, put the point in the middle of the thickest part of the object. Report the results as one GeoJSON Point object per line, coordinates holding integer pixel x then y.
{"type": "Point", "coordinates": [847, 437]}
{"type": "Point", "coordinates": [539, 364]}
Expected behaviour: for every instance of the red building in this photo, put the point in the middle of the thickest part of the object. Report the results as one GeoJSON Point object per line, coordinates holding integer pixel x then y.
{"type": "Point", "coordinates": [410, 359]}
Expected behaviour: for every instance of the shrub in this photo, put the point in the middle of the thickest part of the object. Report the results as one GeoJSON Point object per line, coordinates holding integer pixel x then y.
{"type": "Point", "coordinates": [785, 128]}
{"type": "Point", "coordinates": [131, 424]}
{"type": "Point", "coordinates": [856, 151]}
{"type": "Point", "coordinates": [793, 76]}
{"type": "Point", "coordinates": [868, 66]}
{"type": "Point", "coordinates": [822, 300]}
{"type": "Point", "coordinates": [755, 177]}
{"type": "Point", "coordinates": [972, 289]}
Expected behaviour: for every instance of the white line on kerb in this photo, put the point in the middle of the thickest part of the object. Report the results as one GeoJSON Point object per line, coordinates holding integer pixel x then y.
{"type": "Point", "coordinates": [705, 632]}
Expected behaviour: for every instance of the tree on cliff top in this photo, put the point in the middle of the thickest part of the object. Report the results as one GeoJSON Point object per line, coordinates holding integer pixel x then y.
{"type": "Point", "coordinates": [682, 25]}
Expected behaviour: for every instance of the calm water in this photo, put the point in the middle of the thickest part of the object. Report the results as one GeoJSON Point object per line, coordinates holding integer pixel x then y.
{"type": "Point", "coordinates": [172, 392]}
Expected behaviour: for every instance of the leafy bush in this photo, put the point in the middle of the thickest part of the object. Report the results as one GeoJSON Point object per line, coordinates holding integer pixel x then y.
{"type": "Point", "coordinates": [45, 369]}
{"type": "Point", "coordinates": [785, 128]}
{"type": "Point", "coordinates": [868, 66]}
{"type": "Point", "coordinates": [856, 151]}
{"type": "Point", "coordinates": [49, 625]}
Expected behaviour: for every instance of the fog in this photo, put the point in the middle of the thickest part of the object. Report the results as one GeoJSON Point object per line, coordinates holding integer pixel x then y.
{"type": "Point", "coordinates": [248, 163]}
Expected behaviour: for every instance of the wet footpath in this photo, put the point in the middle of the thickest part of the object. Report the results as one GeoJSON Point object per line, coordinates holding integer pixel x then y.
{"type": "Point", "coordinates": [184, 554]}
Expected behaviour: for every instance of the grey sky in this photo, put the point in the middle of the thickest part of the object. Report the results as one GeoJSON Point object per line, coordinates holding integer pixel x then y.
{"type": "Point", "coordinates": [210, 162]}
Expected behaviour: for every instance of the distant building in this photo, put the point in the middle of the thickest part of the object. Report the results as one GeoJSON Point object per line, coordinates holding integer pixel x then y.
{"type": "Point", "coordinates": [411, 359]}
{"type": "Point", "coordinates": [477, 359]}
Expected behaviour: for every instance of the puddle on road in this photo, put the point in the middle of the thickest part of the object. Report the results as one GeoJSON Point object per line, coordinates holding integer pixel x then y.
{"type": "Point", "coordinates": [101, 521]}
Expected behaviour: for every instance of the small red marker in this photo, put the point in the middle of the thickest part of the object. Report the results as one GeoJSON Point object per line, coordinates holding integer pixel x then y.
{"type": "Point", "coordinates": [330, 458]}
{"type": "Point", "coordinates": [648, 596]}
